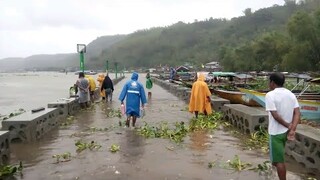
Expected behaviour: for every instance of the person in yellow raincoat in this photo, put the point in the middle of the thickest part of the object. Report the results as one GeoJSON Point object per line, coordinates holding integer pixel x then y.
{"type": "Point", "coordinates": [100, 80]}
{"type": "Point", "coordinates": [200, 101]}
{"type": "Point", "coordinates": [92, 86]}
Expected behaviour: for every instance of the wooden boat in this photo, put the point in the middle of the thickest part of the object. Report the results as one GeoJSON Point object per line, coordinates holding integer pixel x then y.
{"type": "Point", "coordinates": [235, 97]}
{"type": "Point", "coordinates": [310, 109]}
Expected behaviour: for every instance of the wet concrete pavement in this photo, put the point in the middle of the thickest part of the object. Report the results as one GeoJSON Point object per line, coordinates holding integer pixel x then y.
{"type": "Point", "coordinates": [138, 158]}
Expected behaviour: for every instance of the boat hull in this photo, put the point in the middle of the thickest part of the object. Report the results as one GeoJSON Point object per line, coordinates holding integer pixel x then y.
{"type": "Point", "coordinates": [235, 97]}
{"type": "Point", "coordinates": [310, 109]}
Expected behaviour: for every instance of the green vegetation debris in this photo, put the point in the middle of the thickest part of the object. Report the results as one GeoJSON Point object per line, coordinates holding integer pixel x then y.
{"type": "Point", "coordinates": [210, 122]}
{"type": "Point", "coordinates": [265, 167]}
{"type": "Point", "coordinates": [65, 156]}
{"type": "Point", "coordinates": [258, 140]}
{"type": "Point", "coordinates": [114, 148]}
{"type": "Point", "coordinates": [185, 109]}
{"type": "Point", "coordinates": [180, 130]}
{"type": "Point", "coordinates": [95, 129]}
{"type": "Point", "coordinates": [15, 113]}
{"type": "Point", "coordinates": [10, 170]}
{"type": "Point", "coordinates": [237, 164]}
{"type": "Point", "coordinates": [212, 164]}
{"type": "Point", "coordinates": [69, 121]}
{"type": "Point", "coordinates": [83, 145]}
{"type": "Point", "coordinates": [114, 113]}
{"type": "Point", "coordinates": [163, 131]}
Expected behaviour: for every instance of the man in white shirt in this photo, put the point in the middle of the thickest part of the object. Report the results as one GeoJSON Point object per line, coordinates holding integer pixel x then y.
{"type": "Point", "coordinates": [284, 116]}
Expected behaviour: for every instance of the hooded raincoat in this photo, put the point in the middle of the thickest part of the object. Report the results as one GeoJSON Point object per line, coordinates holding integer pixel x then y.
{"type": "Point", "coordinates": [92, 83]}
{"type": "Point", "coordinates": [199, 96]}
{"type": "Point", "coordinates": [134, 92]}
{"type": "Point", "coordinates": [100, 80]}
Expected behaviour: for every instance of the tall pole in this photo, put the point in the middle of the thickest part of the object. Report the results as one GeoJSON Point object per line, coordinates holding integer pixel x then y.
{"type": "Point", "coordinates": [107, 65]}
{"type": "Point", "coordinates": [116, 64]}
{"type": "Point", "coordinates": [82, 61]}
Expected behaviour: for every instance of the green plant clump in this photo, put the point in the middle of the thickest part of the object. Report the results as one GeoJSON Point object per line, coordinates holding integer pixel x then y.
{"type": "Point", "coordinates": [258, 140]}
{"type": "Point", "coordinates": [237, 164]}
{"type": "Point", "coordinates": [65, 156]}
{"type": "Point", "coordinates": [210, 122]}
{"type": "Point", "coordinates": [265, 167]}
{"type": "Point", "coordinates": [114, 148]}
{"type": "Point", "coordinates": [114, 113]}
{"type": "Point", "coordinates": [176, 134]}
{"type": "Point", "coordinates": [83, 145]}
{"type": "Point", "coordinates": [10, 170]}
{"type": "Point", "coordinates": [15, 113]}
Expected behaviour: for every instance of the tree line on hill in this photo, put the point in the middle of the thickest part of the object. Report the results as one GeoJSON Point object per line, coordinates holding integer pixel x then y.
{"type": "Point", "coordinates": [284, 38]}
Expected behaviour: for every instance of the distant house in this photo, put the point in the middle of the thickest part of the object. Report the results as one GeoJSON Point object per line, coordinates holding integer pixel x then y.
{"type": "Point", "coordinates": [182, 69]}
{"type": "Point", "coordinates": [151, 70]}
{"type": "Point", "coordinates": [213, 66]}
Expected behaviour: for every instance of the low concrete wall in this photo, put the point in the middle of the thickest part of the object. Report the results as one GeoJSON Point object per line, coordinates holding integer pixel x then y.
{"type": "Point", "coordinates": [5, 147]}
{"type": "Point", "coordinates": [306, 148]}
{"type": "Point", "coordinates": [66, 106]}
{"type": "Point", "coordinates": [218, 103]}
{"type": "Point", "coordinates": [31, 126]}
{"type": "Point", "coordinates": [247, 119]}
{"type": "Point", "coordinates": [184, 93]}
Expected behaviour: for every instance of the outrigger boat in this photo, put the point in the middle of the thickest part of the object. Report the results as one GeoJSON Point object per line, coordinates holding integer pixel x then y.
{"type": "Point", "coordinates": [235, 97]}
{"type": "Point", "coordinates": [309, 108]}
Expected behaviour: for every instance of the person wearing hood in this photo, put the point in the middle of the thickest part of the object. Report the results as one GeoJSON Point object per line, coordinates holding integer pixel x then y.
{"type": "Point", "coordinates": [107, 87]}
{"type": "Point", "coordinates": [100, 80]}
{"type": "Point", "coordinates": [83, 90]}
{"type": "Point", "coordinates": [92, 87]}
{"type": "Point", "coordinates": [133, 92]}
{"type": "Point", "coordinates": [200, 101]}
{"type": "Point", "coordinates": [149, 85]}
{"type": "Point", "coordinates": [172, 74]}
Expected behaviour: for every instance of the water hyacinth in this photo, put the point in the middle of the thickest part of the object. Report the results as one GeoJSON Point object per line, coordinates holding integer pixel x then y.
{"type": "Point", "coordinates": [114, 148]}
{"type": "Point", "coordinates": [83, 145]}
{"type": "Point", "coordinates": [175, 134]}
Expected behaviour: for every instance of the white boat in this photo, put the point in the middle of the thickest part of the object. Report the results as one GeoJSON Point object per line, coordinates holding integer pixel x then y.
{"type": "Point", "coordinates": [87, 72]}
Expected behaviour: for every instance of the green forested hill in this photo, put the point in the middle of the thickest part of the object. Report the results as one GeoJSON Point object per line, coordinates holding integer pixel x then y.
{"type": "Point", "coordinates": [274, 37]}
{"type": "Point", "coordinates": [283, 37]}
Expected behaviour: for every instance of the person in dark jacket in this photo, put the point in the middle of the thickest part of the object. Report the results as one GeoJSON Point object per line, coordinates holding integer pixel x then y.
{"type": "Point", "coordinates": [107, 86]}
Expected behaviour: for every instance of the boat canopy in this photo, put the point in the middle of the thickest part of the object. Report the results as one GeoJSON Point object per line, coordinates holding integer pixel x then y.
{"type": "Point", "coordinates": [222, 74]}
{"type": "Point", "coordinates": [243, 76]}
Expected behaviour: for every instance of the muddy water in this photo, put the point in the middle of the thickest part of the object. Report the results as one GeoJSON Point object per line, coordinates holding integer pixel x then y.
{"type": "Point", "coordinates": [138, 158]}
{"type": "Point", "coordinates": [18, 89]}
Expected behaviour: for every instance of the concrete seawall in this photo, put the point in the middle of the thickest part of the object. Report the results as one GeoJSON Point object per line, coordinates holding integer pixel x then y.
{"type": "Point", "coordinates": [305, 150]}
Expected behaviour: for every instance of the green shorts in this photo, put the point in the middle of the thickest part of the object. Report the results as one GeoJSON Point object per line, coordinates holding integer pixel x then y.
{"type": "Point", "coordinates": [277, 147]}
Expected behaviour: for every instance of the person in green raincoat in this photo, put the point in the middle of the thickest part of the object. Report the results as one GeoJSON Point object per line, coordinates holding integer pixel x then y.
{"type": "Point", "coordinates": [149, 85]}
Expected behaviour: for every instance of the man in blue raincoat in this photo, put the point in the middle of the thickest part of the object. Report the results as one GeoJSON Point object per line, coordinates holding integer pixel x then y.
{"type": "Point", "coordinates": [134, 92]}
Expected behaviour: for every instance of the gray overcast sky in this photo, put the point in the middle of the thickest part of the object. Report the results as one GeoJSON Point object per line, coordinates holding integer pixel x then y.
{"type": "Point", "coordinates": [30, 27]}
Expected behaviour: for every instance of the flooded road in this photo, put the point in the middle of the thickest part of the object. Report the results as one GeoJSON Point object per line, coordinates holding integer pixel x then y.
{"type": "Point", "coordinates": [138, 158]}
